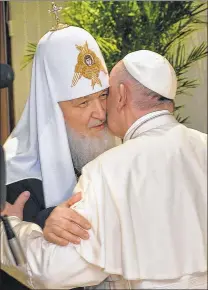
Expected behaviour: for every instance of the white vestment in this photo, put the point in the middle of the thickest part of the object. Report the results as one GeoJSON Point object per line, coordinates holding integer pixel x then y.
{"type": "Point", "coordinates": [38, 146]}
{"type": "Point", "coordinates": [146, 201]}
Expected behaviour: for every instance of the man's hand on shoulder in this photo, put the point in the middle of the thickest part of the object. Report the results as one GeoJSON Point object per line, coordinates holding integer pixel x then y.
{"type": "Point", "coordinates": [16, 209]}
{"type": "Point", "coordinates": [64, 225]}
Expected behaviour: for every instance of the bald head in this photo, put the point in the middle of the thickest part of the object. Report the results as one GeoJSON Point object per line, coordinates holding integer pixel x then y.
{"type": "Point", "coordinates": [138, 95]}
{"type": "Point", "coordinates": [120, 74]}
{"type": "Point", "coordinates": [129, 100]}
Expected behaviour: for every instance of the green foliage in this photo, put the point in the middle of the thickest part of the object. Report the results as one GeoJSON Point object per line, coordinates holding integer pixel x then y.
{"type": "Point", "coordinates": [121, 27]}
{"type": "Point", "coordinates": [182, 62]}
{"type": "Point", "coordinates": [30, 52]}
{"type": "Point", "coordinates": [178, 117]}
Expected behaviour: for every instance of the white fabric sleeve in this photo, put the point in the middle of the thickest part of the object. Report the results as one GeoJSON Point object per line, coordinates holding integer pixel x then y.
{"type": "Point", "coordinates": [103, 248]}
{"type": "Point", "coordinates": [48, 266]}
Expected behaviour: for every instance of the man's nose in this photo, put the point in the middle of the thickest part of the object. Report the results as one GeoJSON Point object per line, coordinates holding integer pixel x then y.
{"type": "Point", "coordinates": [99, 111]}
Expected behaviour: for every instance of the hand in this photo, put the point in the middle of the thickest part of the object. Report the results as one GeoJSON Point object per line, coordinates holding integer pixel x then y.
{"type": "Point", "coordinates": [16, 209]}
{"type": "Point", "coordinates": [64, 225]}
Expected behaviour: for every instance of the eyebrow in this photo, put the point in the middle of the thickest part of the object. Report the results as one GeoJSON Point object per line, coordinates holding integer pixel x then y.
{"type": "Point", "coordinates": [79, 100]}
{"type": "Point", "coordinates": [83, 99]}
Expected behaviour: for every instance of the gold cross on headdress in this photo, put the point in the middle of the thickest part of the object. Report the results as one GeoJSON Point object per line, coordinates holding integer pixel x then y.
{"type": "Point", "coordinates": [55, 10]}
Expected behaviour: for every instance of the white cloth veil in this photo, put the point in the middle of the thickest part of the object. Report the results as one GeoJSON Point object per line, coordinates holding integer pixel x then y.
{"type": "Point", "coordinates": [38, 146]}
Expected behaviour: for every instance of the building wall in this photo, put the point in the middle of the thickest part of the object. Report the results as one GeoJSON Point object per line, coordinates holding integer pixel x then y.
{"type": "Point", "coordinates": [196, 103]}
{"type": "Point", "coordinates": [31, 20]}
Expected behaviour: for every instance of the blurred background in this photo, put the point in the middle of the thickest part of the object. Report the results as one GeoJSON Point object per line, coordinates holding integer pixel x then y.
{"type": "Point", "coordinates": [175, 29]}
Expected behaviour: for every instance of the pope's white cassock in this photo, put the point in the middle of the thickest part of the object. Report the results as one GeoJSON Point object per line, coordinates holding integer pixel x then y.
{"type": "Point", "coordinates": [146, 200]}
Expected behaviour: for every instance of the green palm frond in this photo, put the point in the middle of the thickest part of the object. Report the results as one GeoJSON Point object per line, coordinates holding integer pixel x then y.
{"type": "Point", "coordinates": [182, 61]}
{"type": "Point", "coordinates": [181, 119]}
{"type": "Point", "coordinates": [30, 53]}
{"type": "Point", "coordinates": [178, 117]}
{"type": "Point", "coordinates": [107, 45]}
{"type": "Point", "coordinates": [121, 27]}
{"type": "Point", "coordinates": [178, 108]}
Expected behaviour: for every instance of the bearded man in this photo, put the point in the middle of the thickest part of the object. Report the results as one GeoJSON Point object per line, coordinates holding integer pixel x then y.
{"type": "Point", "coordinates": [62, 128]}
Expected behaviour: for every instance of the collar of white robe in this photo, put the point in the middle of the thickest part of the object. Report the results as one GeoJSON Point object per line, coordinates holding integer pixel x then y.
{"type": "Point", "coordinates": [139, 124]}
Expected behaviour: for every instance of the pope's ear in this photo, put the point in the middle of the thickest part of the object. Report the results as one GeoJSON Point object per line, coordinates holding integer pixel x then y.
{"type": "Point", "coordinates": [122, 97]}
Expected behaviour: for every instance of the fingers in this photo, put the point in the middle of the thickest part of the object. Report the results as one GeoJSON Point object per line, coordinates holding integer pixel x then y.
{"type": "Point", "coordinates": [52, 238]}
{"type": "Point", "coordinates": [6, 208]}
{"type": "Point", "coordinates": [77, 231]}
{"type": "Point", "coordinates": [70, 215]}
{"type": "Point", "coordinates": [78, 219]}
{"type": "Point", "coordinates": [67, 227]}
{"type": "Point", "coordinates": [75, 198]}
{"type": "Point", "coordinates": [64, 225]}
{"type": "Point", "coordinates": [22, 199]}
{"type": "Point", "coordinates": [16, 209]}
{"type": "Point", "coordinates": [59, 236]}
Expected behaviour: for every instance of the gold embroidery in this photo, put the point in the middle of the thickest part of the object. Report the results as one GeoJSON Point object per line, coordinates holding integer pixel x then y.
{"type": "Point", "coordinates": [55, 10]}
{"type": "Point", "coordinates": [88, 65]}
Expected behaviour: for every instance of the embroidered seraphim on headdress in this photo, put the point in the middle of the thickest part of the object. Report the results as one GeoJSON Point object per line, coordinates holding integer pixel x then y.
{"type": "Point", "coordinates": [88, 66]}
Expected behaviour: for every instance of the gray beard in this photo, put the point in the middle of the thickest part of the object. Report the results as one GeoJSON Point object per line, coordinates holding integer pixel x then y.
{"type": "Point", "coordinates": [85, 149]}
